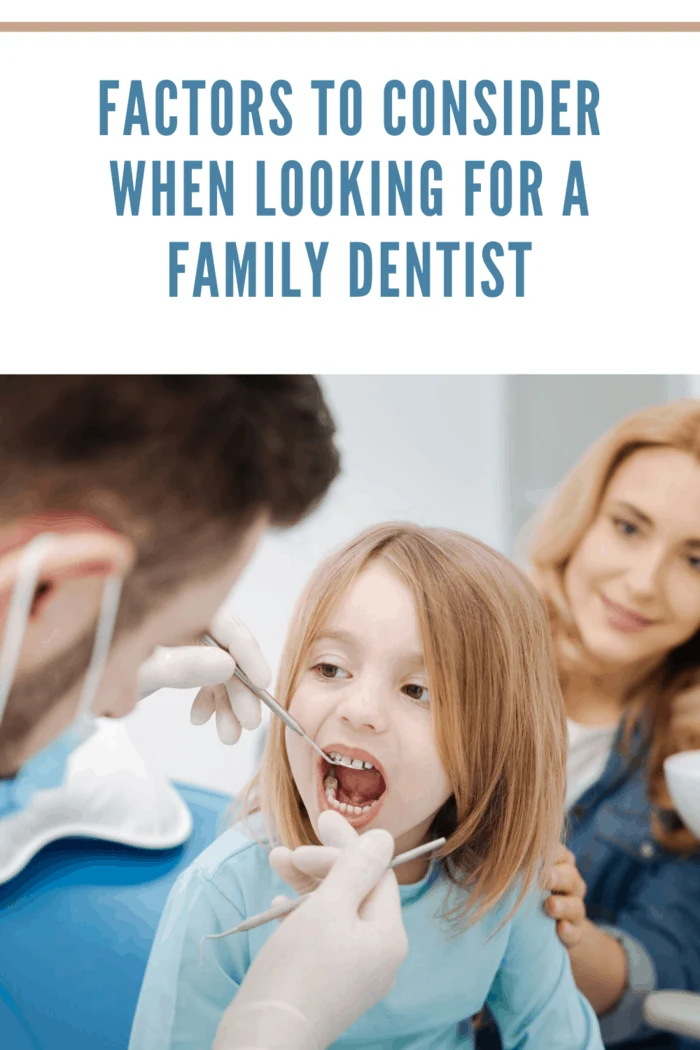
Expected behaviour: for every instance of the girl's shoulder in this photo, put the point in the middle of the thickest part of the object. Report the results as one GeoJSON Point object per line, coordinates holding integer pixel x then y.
{"type": "Point", "coordinates": [520, 906]}
{"type": "Point", "coordinates": [234, 861]}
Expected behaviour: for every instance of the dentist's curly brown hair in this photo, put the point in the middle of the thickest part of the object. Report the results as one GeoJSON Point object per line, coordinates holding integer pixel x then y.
{"type": "Point", "coordinates": [181, 465]}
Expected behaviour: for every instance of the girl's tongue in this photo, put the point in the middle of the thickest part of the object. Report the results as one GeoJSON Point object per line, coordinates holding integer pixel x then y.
{"type": "Point", "coordinates": [358, 787]}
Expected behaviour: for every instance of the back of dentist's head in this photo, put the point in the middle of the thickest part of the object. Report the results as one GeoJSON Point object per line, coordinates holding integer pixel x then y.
{"type": "Point", "coordinates": [498, 713]}
{"type": "Point", "coordinates": [161, 479]}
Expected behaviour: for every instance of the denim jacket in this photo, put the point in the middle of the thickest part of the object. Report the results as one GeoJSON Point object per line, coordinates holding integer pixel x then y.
{"type": "Point", "coordinates": [645, 896]}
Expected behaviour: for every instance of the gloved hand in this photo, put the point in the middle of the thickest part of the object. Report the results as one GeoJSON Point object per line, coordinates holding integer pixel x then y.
{"type": "Point", "coordinates": [293, 997]}
{"type": "Point", "coordinates": [188, 666]}
{"type": "Point", "coordinates": [306, 867]}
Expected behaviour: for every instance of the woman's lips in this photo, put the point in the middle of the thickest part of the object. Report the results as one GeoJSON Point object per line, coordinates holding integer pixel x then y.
{"type": "Point", "coordinates": [623, 619]}
{"type": "Point", "coordinates": [357, 820]}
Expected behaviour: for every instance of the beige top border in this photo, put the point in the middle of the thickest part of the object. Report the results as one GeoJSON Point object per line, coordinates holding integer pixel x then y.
{"type": "Point", "coordinates": [349, 27]}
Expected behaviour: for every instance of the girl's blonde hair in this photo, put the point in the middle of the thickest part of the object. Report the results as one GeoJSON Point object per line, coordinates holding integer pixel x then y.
{"type": "Point", "coordinates": [497, 708]}
{"type": "Point", "coordinates": [566, 521]}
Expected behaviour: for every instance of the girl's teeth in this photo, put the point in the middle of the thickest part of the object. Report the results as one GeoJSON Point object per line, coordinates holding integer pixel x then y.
{"type": "Point", "coordinates": [345, 807]}
{"type": "Point", "coordinates": [330, 784]}
{"type": "Point", "coordinates": [353, 763]}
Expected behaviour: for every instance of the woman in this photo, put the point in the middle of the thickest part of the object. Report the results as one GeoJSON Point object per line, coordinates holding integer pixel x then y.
{"type": "Point", "coordinates": [617, 560]}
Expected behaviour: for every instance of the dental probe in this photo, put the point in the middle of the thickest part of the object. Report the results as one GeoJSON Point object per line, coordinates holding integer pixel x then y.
{"type": "Point", "coordinates": [270, 702]}
{"type": "Point", "coordinates": [284, 909]}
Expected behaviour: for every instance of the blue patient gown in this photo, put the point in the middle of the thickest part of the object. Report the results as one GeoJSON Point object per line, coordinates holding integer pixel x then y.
{"type": "Point", "coordinates": [521, 970]}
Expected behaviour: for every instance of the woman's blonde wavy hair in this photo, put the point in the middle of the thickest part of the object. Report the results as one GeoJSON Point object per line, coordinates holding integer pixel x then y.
{"type": "Point", "coordinates": [497, 708]}
{"type": "Point", "coordinates": [566, 520]}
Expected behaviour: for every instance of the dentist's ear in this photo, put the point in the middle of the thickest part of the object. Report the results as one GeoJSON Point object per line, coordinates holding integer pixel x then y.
{"type": "Point", "coordinates": [69, 587]}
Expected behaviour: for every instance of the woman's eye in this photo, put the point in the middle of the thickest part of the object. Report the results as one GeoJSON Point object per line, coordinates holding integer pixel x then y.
{"type": "Point", "coordinates": [418, 693]}
{"type": "Point", "coordinates": [329, 671]}
{"type": "Point", "coordinates": [694, 562]}
{"type": "Point", "coordinates": [626, 528]}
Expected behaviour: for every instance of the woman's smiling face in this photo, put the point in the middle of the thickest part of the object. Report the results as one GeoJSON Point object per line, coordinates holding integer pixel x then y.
{"type": "Point", "coordinates": [363, 693]}
{"type": "Point", "coordinates": [633, 583]}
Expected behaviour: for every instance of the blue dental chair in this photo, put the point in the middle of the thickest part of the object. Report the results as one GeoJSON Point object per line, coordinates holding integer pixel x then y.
{"type": "Point", "coordinates": [76, 928]}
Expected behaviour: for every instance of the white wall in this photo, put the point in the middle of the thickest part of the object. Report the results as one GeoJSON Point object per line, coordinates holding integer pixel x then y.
{"type": "Point", "coordinates": [553, 419]}
{"type": "Point", "coordinates": [429, 449]}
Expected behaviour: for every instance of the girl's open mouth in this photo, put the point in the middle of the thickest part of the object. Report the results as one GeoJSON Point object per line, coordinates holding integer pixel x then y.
{"type": "Point", "coordinates": [354, 784]}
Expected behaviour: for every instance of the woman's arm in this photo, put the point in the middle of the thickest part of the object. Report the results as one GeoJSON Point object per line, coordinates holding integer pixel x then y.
{"type": "Point", "coordinates": [599, 966]}
{"type": "Point", "coordinates": [659, 931]}
{"type": "Point", "coordinates": [654, 944]}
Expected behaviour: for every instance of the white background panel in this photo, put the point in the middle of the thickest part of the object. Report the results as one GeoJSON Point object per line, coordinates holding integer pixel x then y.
{"type": "Point", "coordinates": [615, 291]}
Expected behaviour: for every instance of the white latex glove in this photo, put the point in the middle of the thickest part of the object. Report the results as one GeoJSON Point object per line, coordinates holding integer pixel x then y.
{"type": "Point", "coordinates": [188, 666]}
{"type": "Point", "coordinates": [293, 997]}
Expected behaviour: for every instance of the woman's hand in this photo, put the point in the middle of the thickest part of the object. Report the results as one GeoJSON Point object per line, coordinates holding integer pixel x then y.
{"type": "Point", "coordinates": [565, 903]}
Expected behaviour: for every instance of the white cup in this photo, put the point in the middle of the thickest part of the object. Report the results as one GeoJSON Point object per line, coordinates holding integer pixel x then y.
{"type": "Point", "coordinates": [683, 779]}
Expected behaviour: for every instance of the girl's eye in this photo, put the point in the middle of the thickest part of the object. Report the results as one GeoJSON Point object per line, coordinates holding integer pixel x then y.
{"type": "Point", "coordinates": [625, 528]}
{"type": "Point", "coordinates": [329, 671]}
{"type": "Point", "coordinates": [694, 562]}
{"type": "Point", "coordinates": [418, 693]}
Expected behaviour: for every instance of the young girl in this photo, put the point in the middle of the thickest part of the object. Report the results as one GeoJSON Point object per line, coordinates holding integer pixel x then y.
{"type": "Point", "coordinates": [422, 657]}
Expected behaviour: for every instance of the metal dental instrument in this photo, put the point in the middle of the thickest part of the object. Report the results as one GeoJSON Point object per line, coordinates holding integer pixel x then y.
{"type": "Point", "coordinates": [270, 702]}
{"type": "Point", "coordinates": [284, 909]}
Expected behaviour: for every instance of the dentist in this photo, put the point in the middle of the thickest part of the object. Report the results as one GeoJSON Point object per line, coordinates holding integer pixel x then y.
{"type": "Point", "coordinates": [129, 506]}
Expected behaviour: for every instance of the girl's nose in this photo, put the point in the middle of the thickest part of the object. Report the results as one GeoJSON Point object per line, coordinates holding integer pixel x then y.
{"type": "Point", "coordinates": [363, 709]}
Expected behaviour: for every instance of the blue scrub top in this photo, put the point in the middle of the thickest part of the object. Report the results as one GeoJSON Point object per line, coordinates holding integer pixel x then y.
{"type": "Point", "coordinates": [517, 964]}
{"type": "Point", "coordinates": [76, 929]}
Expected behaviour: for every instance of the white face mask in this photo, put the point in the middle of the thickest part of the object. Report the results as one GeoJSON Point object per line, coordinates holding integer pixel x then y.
{"type": "Point", "coordinates": [47, 768]}
{"type": "Point", "coordinates": [89, 781]}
